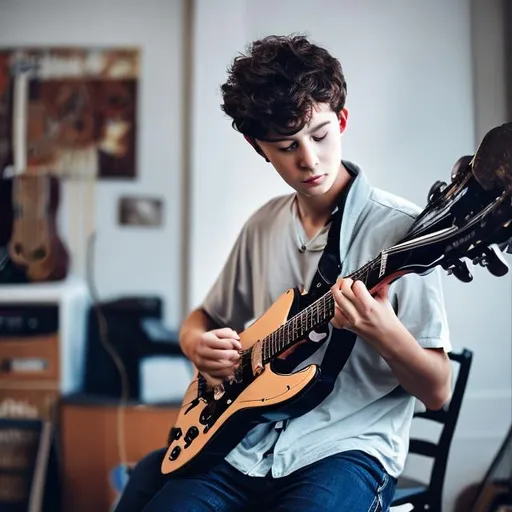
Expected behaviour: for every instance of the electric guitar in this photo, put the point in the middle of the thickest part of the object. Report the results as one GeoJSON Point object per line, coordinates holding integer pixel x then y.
{"type": "Point", "coordinates": [468, 218]}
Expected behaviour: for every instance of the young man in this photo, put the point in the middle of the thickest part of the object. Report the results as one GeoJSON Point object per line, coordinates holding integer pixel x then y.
{"type": "Point", "coordinates": [287, 97]}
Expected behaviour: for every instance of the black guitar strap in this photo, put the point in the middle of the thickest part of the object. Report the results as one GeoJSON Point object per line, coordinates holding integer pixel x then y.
{"type": "Point", "coordinates": [328, 271]}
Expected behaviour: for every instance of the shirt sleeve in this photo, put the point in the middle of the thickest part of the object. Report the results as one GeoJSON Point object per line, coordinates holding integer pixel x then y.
{"type": "Point", "coordinates": [418, 301]}
{"type": "Point", "coordinates": [229, 302]}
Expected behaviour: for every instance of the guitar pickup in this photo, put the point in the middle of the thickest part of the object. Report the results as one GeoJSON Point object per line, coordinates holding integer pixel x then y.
{"type": "Point", "coordinates": [257, 359]}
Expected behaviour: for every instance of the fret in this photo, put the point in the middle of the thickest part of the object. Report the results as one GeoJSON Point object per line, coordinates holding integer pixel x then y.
{"type": "Point", "coordinates": [366, 275]}
{"type": "Point", "coordinates": [369, 272]}
{"type": "Point", "coordinates": [315, 314]}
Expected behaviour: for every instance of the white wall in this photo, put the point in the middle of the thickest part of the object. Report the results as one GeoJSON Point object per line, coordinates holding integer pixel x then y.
{"type": "Point", "coordinates": [127, 260]}
{"type": "Point", "coordinates": [412, 115]}
{"type": "Point", "coordinates": [409, 100]}
{"type": "Point", "coordinates": [484, 316]}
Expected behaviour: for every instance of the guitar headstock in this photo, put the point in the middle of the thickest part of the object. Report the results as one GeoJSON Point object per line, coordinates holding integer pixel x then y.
{"type": "Point", "coordinates": [492, 163]}
{"type": "Point", "coordinates": [468, 219]}
{"type": "Point", "coordinates": [24, 64]}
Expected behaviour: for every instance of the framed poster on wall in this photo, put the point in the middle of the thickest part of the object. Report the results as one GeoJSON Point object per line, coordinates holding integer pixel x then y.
{"type": "Point", "coordinates": [81, 109]}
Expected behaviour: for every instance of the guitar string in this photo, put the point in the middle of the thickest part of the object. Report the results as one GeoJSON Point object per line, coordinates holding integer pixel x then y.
{"type": "Point", "coordinates": [276, 341]}
{"type": "Point", "coordinates": [287, 333]}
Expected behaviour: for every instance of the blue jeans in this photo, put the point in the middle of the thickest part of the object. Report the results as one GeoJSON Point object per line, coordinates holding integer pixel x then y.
{"type": "Point", "coordinates": [350, 481]}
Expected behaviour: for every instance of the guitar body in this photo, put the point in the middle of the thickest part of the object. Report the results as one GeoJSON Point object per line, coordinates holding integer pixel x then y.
{"type": "Point", "coordinates": [35, 245]}
{"type": "Point", "coordinates": [270, 396]}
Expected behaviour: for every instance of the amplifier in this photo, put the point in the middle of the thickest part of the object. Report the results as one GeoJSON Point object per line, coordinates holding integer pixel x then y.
{"type": "Point", "coordinates": [25, 319]}
{"type": "Point", "coordinates": [42, 337]}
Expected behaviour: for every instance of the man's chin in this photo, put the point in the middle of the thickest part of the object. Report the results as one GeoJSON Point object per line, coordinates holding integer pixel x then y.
{"type": "Point", "coordinates": [316, 191]}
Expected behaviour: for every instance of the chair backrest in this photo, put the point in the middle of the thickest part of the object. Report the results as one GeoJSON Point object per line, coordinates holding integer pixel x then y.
{"type": "Point", "coordinates": [448, 417]}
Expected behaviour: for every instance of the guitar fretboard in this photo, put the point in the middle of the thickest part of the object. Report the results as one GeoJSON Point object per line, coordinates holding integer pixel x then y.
{"type": "Point", "coordinates": [315, 315]}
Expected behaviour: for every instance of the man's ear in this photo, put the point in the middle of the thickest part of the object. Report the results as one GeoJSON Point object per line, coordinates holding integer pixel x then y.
{"type": "Point", "coordinates": [256, 147]}
{"type": "Point", "coordinates": [342, 117]}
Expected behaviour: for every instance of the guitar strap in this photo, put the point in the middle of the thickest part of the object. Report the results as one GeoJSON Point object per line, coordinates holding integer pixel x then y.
{"type": "Point", "coordinates": [328, 271]}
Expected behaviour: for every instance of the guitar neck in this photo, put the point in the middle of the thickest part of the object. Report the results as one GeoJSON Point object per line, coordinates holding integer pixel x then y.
{"type": "Point", "coordinates": [19, 121]}
{"type": "Point", "coordinates": [319, 312]}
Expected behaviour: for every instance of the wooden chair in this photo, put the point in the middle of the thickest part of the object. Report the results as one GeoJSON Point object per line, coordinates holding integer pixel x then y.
{"type": "Point", "coordinates": [428, 496]}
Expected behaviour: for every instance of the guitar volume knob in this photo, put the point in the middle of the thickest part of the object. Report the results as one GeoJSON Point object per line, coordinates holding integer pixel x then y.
{"type": "Point", "coordinates": [174, 434]}
{"type": "Point", "coordinates": [191, 434]}
{"type": "Point", "coordinates": [175, 453]}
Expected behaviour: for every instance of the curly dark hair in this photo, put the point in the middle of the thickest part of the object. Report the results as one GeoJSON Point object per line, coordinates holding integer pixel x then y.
{"type": "Point", "coordinates": [273, 87]}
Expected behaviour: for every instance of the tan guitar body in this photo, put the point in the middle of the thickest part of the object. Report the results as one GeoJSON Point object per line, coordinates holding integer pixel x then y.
{"type": "Point", "coordinates": [267, 389]}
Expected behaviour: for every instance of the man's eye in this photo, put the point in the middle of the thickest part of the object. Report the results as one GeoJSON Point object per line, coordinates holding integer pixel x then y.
{"type": "Point", "coordinates": [321, 137]}
{"type": "Point", "coordinates": [291, 147]}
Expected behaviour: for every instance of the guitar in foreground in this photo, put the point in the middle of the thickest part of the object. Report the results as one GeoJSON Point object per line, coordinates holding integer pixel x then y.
{"type": "Point", "coordinates": [468, 218]}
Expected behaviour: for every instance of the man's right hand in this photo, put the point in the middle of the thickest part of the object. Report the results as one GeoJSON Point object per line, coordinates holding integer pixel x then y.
{"type": "Point", "coordinates": [216, 352]}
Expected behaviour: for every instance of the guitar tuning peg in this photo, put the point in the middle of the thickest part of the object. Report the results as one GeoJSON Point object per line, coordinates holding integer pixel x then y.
{"type": "Point", "coordinates": [492, 258]}
{"type": "Point", "coordinates": [460, 270]}
{"type": "Point", "coordinates": [461, 165]}
{"type": "Point", "coordinates": [435, 190]}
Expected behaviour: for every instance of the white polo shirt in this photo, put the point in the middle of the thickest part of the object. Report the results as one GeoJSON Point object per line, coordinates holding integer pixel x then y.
{"type": "Point", "coordinates": [367, 410]}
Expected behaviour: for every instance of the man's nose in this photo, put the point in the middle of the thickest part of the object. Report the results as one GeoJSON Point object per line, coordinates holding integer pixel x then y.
{"type": "Point", "coordinates": [308, 157]}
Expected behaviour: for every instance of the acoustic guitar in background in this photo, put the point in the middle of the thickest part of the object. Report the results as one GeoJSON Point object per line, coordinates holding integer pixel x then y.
{"type": "Point", "coordinates": [35, 252]}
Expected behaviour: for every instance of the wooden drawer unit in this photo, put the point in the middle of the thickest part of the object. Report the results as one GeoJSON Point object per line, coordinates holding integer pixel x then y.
{"type": "Point", "coordinates": [29, 359]}
{"type": "Point", "coordinates": [90, 439]}
{"type": "Point", "coordinates": [29, 402]}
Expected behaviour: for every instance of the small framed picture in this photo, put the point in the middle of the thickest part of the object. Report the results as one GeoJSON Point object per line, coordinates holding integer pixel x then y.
{"type": "Point", "coordinates": [140, 211]}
